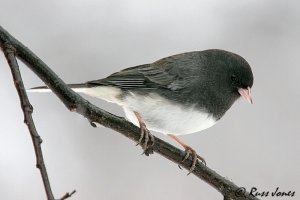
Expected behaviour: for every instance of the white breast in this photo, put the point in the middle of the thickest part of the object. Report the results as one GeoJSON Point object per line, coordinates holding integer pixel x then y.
{"type": "Point", "coordinates": [164, 116]}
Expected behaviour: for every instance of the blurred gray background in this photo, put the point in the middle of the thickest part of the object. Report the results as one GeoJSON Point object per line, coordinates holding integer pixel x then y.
{"type": "Point", "coordinates": [253, 145]}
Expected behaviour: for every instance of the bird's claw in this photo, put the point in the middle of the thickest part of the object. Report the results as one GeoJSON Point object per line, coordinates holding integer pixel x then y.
{"type": "Point", "coordinates": [147, 137]}
{"type": "Point", "coordinates": [195, 157]}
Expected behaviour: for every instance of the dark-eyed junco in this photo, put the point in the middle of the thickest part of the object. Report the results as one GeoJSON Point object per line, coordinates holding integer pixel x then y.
{"type": "Point", "coordinates": [176, 95]}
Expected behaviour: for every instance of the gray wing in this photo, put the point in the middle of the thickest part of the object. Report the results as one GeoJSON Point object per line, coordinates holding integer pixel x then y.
{"type": "Point", "coordinates": [169, 73]}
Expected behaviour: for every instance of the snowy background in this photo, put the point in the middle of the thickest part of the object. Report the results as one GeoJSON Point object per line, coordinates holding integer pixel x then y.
{"type": "Point", "coordinates": [253, 145]}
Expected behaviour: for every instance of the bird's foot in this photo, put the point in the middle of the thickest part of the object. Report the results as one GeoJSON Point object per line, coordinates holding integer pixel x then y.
{"type": "Point", "coordinates": [146, 140]}
{"type": "Point", "coordinates": [145, 135]}
{"type": "Point", "coordinates": [195, 157]}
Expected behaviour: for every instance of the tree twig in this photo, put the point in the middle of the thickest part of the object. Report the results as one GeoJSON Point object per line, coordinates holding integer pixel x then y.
{"type": "Point", "coordinates": [76, 103]}
{"type": "Point", "coordinates": [9, 52]}
{"type": "Point", "coordinates": [67, 195]}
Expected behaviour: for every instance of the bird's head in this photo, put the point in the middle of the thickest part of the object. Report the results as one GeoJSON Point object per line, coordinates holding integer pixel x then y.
{"type": "Point", "coordinates": [240, 77]}
{"type": "Point", "coordinates": [232, 73]}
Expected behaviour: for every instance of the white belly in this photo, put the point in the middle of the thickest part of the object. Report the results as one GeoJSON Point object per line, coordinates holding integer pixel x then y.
{"type": "Point", "coordinates": [158, 113]}
{"type": "Point", "coordinates": [163, 116]}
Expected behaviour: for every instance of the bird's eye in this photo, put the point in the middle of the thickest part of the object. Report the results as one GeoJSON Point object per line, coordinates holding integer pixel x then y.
{"type": "Point", "coordinates": [233, 78]}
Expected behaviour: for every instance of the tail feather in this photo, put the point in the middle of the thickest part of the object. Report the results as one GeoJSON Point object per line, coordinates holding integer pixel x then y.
{"type": "Point", "coordinates": [107, 93]}
{"type": "Point", "coordinates": [78, 87]}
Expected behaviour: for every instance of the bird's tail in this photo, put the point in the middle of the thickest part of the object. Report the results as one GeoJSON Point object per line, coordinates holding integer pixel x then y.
{"type": "Point", "coordinates": [78, 87]}
{"type": "Point", "coordinates": [107, 93]}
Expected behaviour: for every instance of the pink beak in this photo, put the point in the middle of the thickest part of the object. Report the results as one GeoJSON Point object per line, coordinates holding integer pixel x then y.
{"type": "Point", "coordinates": [246, 94]}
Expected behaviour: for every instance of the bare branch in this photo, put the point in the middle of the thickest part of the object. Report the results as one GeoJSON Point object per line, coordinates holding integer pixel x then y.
{"type": "Point", "coordinates": [9, 52]}
{"type": "Point", "coordinates": [76, 103]}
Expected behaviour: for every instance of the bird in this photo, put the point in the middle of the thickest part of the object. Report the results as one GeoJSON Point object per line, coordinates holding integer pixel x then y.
{"type": "Point", "coordinates": [176, 95]}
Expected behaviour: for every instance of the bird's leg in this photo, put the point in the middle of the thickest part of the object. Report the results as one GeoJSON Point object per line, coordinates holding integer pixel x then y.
{"type": "Point", "coordinates": [189, 151]}
{"type": "Point", "coordinates": [145, 134]}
